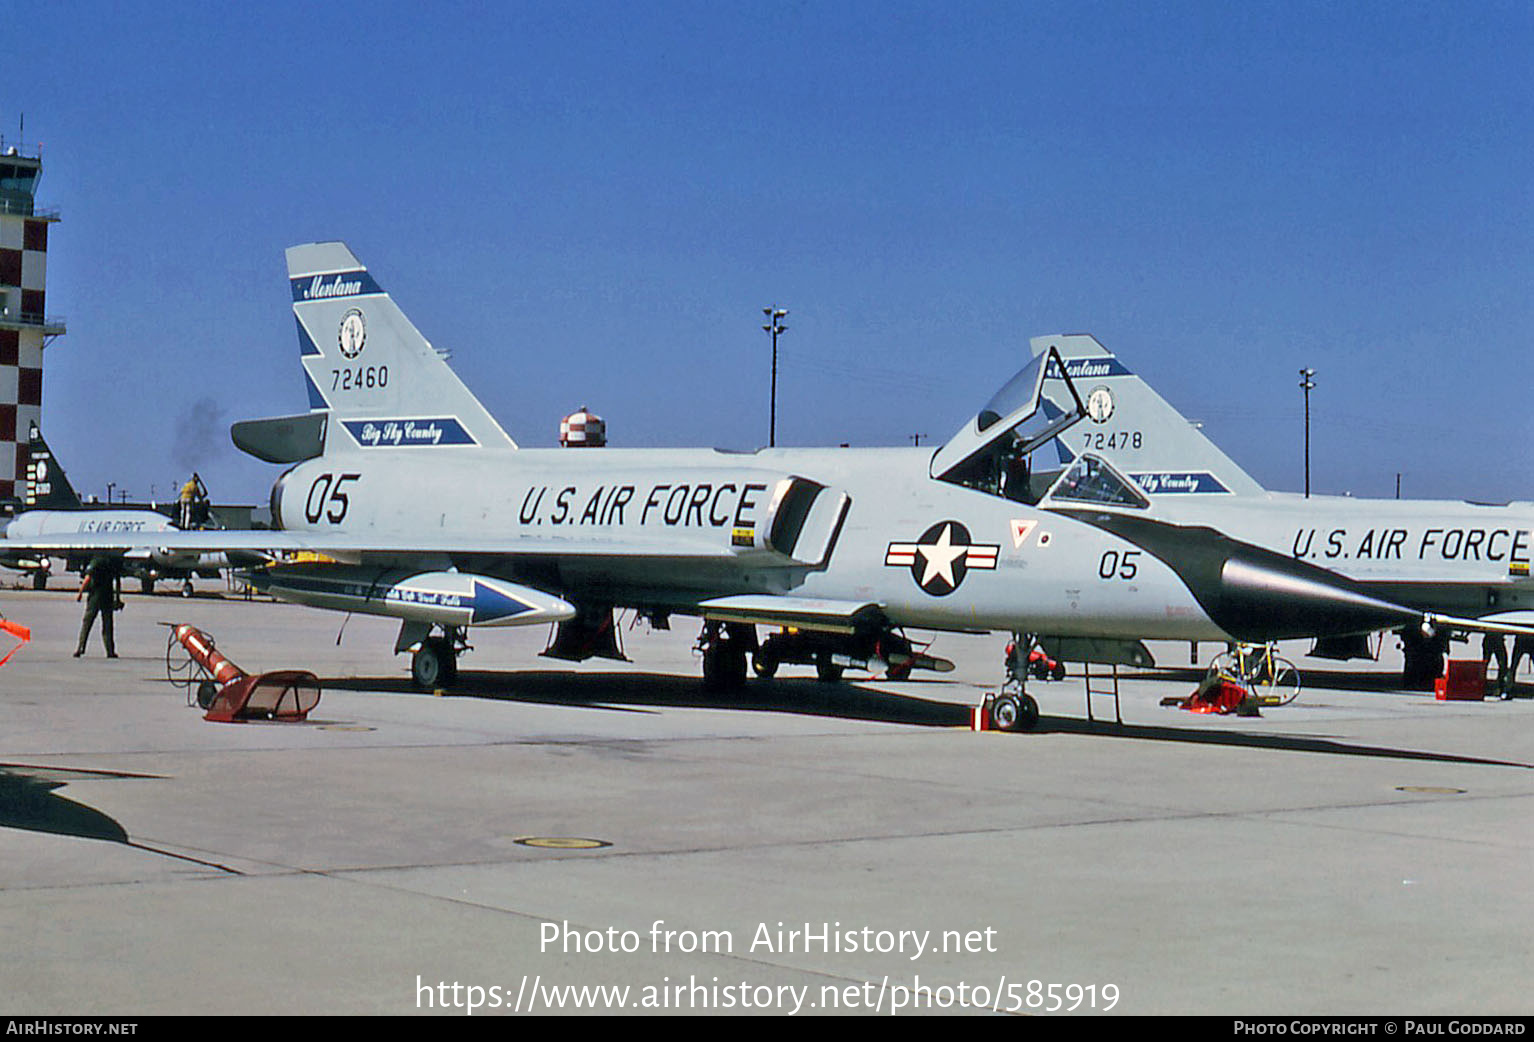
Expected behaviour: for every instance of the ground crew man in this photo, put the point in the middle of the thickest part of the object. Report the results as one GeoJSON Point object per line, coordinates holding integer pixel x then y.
{"type": "Point", "coordinates": [102, 583]}
{"type": "Point", "coordinates": [1494, 646]}
{"type": "Point", "coordinates": [194, 499]}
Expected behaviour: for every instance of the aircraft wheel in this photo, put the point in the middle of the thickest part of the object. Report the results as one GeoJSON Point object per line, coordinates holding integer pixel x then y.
{"type": "Point", "coordinates": [1030, 713]}
{"type": "Point", "coordinates": [1014, 713]}
{"type": "Point", "coordinates": [765, 662]}
{"type": "Point", "coordinates": [1004, 713]}
{"type": "Point", "coordinates": [433, 665]}
{"type": "Point", "coordinates": [40, 581]}
{"type": "Point", "coordinates": [146, 585]}
{"type": "Point", "coordinates": [186, 588]}
{"type": "Point", "coordinates": [828, 671]}
{"type": "Point", "coordinates": [724, 668]}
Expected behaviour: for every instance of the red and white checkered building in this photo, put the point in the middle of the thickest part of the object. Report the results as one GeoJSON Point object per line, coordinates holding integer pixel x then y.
{"type": "Point", "coordinates": [582, 430]}
{"type": "Point", "coordinates": [24, 327]}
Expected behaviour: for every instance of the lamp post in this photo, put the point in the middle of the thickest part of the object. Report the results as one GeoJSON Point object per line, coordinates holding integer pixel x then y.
{"type": "Point", "coordinates": [774, 327]}
{"type": "Point", "coordinates": [1306, 383]}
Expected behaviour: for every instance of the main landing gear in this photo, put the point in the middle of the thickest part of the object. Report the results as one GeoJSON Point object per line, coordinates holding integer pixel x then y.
{"type": "Point", "coordinates": [1422, 658]}
{"type": "Point", "coordinates": [725, 647]}
{"type": "Point", "coordinates": [434, 664]}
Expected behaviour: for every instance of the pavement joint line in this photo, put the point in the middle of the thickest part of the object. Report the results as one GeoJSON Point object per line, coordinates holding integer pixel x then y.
{"type": "Point", "coordinates": [1155, 815]}
{"type": "Point", "coordinates": [610, 853]}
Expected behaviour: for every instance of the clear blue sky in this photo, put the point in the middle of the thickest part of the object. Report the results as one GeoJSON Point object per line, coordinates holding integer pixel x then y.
{"type": "Point", "coordinates": [590, 203]}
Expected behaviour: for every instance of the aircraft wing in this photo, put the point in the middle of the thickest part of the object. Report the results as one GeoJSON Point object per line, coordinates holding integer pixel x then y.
{"type": "Point", "coordinates": [1512, 623]}
{"type": "Point", "coordinates": [352, 548]}
{"type": "Point", "coordinates": [806, 612]}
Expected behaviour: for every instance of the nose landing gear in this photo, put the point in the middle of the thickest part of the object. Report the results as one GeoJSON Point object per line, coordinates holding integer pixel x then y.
{"type": "Point", "coordinates": [1013, 709]}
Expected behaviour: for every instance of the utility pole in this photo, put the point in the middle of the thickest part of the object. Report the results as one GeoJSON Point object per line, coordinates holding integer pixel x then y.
{"type": "Point", "coordinates": [774, 327]}
{"type": "Point", "coordinates": [1306, 384]}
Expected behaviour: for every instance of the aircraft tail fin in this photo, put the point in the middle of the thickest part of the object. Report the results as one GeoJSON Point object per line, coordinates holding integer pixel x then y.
{"type": "Point", "coordinates": [379, 381]}
{"type": "Point", "coordinates": [1135, 429]}
{"type": "Point", "coordinates": [47, 487]}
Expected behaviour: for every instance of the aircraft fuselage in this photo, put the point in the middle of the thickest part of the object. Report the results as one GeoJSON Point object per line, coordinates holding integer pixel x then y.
{"type": "Point", "coordinates": [932, 554]}
{"type": "Point", "coordinates": [1453, 557]}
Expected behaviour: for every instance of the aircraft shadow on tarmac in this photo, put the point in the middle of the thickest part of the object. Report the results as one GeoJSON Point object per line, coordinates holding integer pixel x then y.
{"type": "Point", "coordinates": [648, 692]}
{"type": "Point", "coordinates": [1247, 740]}
{"type": "Point", "coordinates": [28, 801]}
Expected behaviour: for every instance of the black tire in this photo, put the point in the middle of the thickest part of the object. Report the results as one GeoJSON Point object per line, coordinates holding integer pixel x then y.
{"type": "Point", "coordinates": [449, 662]}
{"type": "Point", "coordinates": [1014, 713]}
{"type": "Point", "coordinates": [186, 588]}
{"type": "Point", "coordinates": [828, 671]}
{"type": "Point", "coordinates": [765, 663]}
{"type": "Point", "coordinates": [1029, 718]}
{"type": "Point", "coordinates": [146, 585]}
{"type": "Point", "coordinates": [724, 668]}
{"type": "Point", "coordinates": [207, 691]}
{"type": "Point", "coordinates": [40, 580]}
{"type": "Point", "coordinates": [1006, 711]}
{"type": "Point", "coordinates": [433, 665]}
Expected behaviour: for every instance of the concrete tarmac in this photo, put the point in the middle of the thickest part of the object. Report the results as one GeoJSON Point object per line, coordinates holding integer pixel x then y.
{"type": "Point", "coordinates": [799, 847]}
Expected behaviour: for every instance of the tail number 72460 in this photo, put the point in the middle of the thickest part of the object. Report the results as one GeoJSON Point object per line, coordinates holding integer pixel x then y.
{"type": "Point", "coordinates": [360, 378]}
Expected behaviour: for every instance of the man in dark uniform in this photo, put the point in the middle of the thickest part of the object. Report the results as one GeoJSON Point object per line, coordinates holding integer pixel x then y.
{"type": "Point", "coordinates": [102, 580]}
{"type": "Point", "coordinates": [1494, 646]}
{"type": "Point", "coordinates": [1521, 646]}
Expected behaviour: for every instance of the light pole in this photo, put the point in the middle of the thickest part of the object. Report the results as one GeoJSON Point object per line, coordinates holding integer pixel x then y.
{"type": "Point", "coordinates": [774, 326]}
{"type": "Point", "coordinates": [1306, 383]}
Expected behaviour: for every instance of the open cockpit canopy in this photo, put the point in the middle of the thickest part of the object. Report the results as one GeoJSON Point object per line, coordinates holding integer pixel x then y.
{"type": "Point", "coordinates": [1011, 448]}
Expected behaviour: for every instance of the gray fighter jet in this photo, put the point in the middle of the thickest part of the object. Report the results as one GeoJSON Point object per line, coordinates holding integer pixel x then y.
{"type": "Point", "coordinates": [1447, 558]}
{"type": "Point", "coordinates": [52, 508]}
{"type": "Point", "coordinates": [426, 511]}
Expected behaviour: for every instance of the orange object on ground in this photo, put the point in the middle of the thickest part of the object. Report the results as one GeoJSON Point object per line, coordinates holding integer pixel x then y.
{"type": "Point", "coordinates": [203, 651]}
{"type": "Point", "coordinates": [284, 694]}
{"type": "Point", "coordinates": [18, 631]}
{"type": "Point", "coordinates": [1463, 680]}
{"type": "Point", "coordinates": [1224, 697]}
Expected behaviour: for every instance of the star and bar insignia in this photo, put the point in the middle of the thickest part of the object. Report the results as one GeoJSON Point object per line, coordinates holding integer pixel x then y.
{"type": "Point", "coordinates": [941, 558]}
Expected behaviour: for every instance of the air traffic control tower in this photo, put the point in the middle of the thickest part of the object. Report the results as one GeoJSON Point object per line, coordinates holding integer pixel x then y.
{"type": "Point", "coordinates": [25, 329]}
